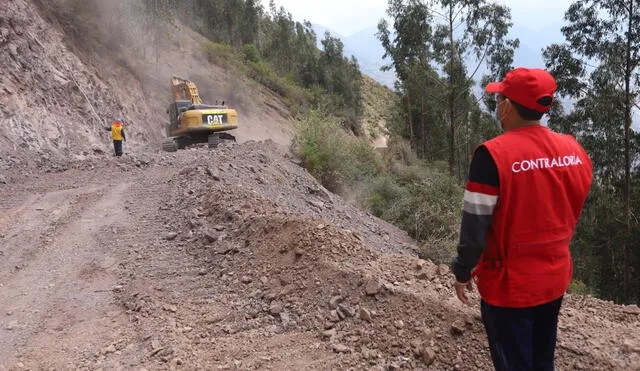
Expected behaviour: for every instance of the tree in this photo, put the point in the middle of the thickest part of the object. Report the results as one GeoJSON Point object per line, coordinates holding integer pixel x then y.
{"type": "Point", "coordinates": [445, 36]}
{"type": "Point", "coordinates": [469, 28]}
{"type": "Point", "coordinates": [408, 47]}
{"type": "Point", "coordinates": [280, 39]}
{"type": "Point", "coordinates": [306, 54]}
{"type": "Point", "coordinates": [599, 66]}
{"type": "Point", "coordinates": [341, 78]}
{"type": "Point", "coordinates": [250, 23]}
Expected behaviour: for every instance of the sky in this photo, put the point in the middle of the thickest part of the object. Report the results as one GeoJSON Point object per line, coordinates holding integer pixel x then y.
{"type": "Point", "coordinates": [346, 17]}
{"type": "Point", "coordinates": [350, 16]}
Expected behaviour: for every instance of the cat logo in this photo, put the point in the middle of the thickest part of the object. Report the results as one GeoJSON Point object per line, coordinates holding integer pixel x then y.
{"type": "Point", "coordinates": [215, 119]}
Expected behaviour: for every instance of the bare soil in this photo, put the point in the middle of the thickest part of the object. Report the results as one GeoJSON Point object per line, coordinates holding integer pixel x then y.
{"type": "Point", "coordinates": [236, 258]}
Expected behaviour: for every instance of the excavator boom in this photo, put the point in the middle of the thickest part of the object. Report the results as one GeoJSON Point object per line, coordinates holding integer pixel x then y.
{"type": "Point", "coordinates": [185, 89]}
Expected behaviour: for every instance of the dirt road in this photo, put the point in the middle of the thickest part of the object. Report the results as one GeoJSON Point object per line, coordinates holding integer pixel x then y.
{"type": "Point", "coordinates": [237, 259]}
{"type": "Point", "coordinates": [61, 245]}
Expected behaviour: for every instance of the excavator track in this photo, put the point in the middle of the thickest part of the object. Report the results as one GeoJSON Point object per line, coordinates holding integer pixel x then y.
{"type": "Point", "coordinates": [214, 140]}
{"type": "Point", "coordinates": [170, 145]}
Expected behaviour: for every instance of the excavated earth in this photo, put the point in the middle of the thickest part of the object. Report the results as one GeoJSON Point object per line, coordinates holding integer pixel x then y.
{"type": "Point", "coordinates": [237, 259]}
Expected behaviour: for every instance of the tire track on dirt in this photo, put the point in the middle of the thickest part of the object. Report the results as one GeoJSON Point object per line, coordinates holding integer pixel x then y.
{"type": "Point", "coordinates": [58, 276]}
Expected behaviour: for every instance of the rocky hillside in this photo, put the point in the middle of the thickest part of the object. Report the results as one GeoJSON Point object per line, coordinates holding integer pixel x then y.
{"type": "Point", "coordinates": [65, 73]}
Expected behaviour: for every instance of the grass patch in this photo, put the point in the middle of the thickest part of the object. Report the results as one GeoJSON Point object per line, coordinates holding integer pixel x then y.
{"type": "Point", "coordinates": [331, 155]}
{"type": "Point", "coordinates": [250, 62]}
{"type": "Point", "coordinates": [220, 54]}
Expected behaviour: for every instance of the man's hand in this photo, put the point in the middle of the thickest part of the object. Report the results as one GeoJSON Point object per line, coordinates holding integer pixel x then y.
{"type": "Point", "coordinates": [460, 290]}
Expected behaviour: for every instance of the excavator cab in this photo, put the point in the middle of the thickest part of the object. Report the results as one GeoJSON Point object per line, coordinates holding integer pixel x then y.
{"type": "Point", "coordinates": [175, 109]}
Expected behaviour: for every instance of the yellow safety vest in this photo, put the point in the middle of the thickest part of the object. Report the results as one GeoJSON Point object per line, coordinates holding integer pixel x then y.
{"type": "Point", "coordinates": [116, 131]}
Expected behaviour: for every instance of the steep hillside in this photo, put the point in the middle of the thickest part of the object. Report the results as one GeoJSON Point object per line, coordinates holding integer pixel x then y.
{"type": "Point", "coordinates": [67, 70]}
{"type": "Point", "coordinates": [51, 101]}
{"type": "Point", "coordinates": [378, 101]}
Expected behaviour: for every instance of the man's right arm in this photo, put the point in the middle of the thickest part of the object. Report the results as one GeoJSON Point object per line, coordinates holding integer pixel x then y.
{"type": "Point", "coordinates": [480, 199]}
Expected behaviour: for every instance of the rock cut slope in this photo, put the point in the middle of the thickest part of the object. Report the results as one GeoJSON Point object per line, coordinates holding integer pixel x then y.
{"type": "Point", "coordinates": [67, 68]}
{"type": "Point", "coordinates": [51, 102]}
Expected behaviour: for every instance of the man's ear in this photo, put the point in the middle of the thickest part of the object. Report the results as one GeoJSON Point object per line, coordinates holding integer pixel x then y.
{"type": "Point", "coordinates": [509, 105]}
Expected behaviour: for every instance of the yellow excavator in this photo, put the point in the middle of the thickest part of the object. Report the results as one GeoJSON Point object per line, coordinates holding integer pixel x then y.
{"type": "Point", "coordinates": [192, 122]}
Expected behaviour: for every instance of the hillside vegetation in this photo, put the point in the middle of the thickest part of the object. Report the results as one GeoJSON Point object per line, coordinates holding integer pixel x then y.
{"type": "Point", "coordinates": [597, 67]}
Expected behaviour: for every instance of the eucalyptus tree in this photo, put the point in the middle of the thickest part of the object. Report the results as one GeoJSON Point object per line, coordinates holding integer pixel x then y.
{"type": "Point", "coordinates": [599, 67]}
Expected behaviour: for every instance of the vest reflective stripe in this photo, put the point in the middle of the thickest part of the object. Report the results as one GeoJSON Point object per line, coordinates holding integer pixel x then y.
{"type": "Point", "coordinates": [544, 180]}
{"type": "Point", "coordinates": [116, 131]}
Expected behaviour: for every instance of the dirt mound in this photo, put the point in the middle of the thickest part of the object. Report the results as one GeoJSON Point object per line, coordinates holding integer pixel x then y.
{"type": "Point", "coordinates": [316, 277]}
{"type": "Point", "coordinates": [237, 259]}
{"type": "Point", "coordinates": [286, 275]}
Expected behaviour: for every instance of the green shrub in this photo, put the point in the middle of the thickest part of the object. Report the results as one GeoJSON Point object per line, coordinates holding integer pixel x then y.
{"type": "Point", "coordinates": [579, 288]}
{"type": "Point", "coordinates": [251, 53]}
{"type": "Point", "coordinates": [365, 162]}
{"type": "Point", "coordinates": [423, 200]}
{"type": "Point", "coordinates": [399, 150]}
{"type": "Point", "coordinates": [219, 54]}
{"type": "Point", "coordinates": [380, 194]}
{"type": "Point", "coordinates": [292, 95]}
{"type": "Point", "coordinates": [337, 160]}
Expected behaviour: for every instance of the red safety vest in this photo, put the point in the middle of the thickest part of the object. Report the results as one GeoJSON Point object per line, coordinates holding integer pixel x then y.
{"type": "Point", "coordinates": [544, 180]}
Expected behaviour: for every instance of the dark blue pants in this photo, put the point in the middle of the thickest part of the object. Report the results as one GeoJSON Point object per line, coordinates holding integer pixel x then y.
{"type": "Point", "coordinates": [522, 339]}
{"type": "Point", "coordinates": [117, 146]}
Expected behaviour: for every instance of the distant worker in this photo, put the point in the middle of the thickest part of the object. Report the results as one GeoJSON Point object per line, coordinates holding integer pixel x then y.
{"type": "Point", "coordinates": [118, 135]}
{"type": "Point", "coordinates": [522, 202]}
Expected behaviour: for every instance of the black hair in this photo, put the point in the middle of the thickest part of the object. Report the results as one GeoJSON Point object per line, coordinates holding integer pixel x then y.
{"type": "Point", "coordinates": [529, 114]}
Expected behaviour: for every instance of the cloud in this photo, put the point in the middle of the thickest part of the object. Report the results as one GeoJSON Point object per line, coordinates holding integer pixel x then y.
{"type": "Point", "coordinates": [343, 16]}
{"type": "Point", "coordinates": [349, 16]}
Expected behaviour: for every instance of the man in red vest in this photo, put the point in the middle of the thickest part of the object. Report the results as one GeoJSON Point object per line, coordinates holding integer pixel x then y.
{"type": "Point", "coordinates": [525, 193]}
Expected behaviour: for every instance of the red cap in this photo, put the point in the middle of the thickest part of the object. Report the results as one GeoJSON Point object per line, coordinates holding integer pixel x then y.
{"type": "Point", "coordinates": [532, 88]}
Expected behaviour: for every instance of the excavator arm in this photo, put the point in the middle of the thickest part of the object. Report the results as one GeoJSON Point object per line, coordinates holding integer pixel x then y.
{"type": "Point", "coordinates": [185, 89]}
